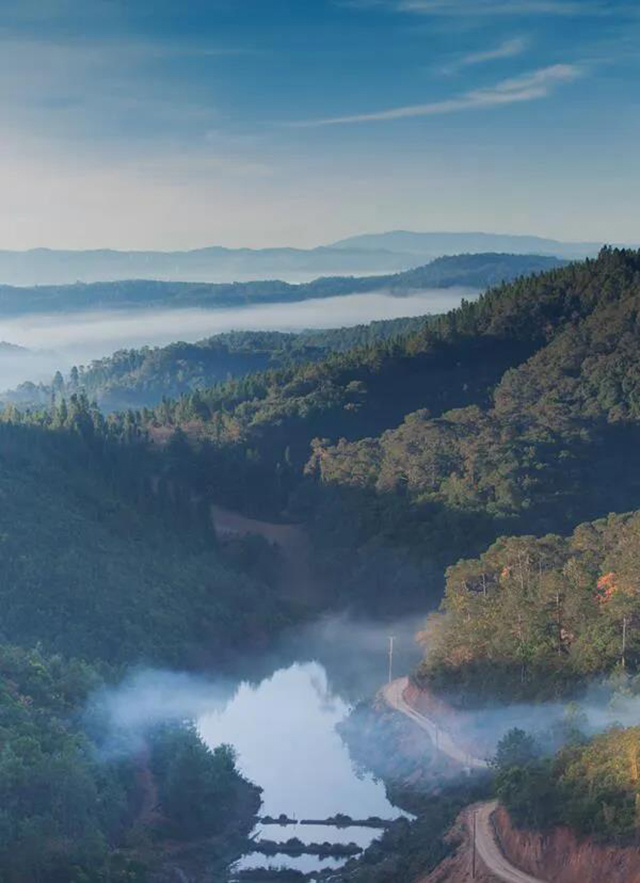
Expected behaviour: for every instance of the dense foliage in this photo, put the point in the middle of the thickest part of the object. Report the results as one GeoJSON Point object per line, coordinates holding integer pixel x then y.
{"type": "Point", "coordinates": [68, 814]}
{"type": "Point", "coordinates": [534, 617]}
{"type": "Point", "coordinates": [96, 561]}
{"type": "Point", "coordinates": [592, 785]}
{"type": "Point", "coordinates": [200, 791]}
{"type": "Point", "coordinates": [481, 422]}
{"type": "Point", "coordinates": [64, 814]}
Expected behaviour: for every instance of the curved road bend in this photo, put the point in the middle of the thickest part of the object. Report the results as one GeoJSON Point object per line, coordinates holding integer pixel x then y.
{"type": "Point", "coordinates": [490, 852]}
{"type": "Point", "coordinates": [486, 842]}
{"type": "Point", "coordinates": [394, 696]}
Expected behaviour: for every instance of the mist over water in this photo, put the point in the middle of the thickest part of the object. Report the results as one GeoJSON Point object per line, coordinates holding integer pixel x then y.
{"type": "Point", "coordinates": [284, 731]}
{"type": "Point", "coordinates": [280, 712]}
{"type": "Point", "coordinates": [310, 680]}
{"type": "Point", "coordinates": [58, 341]}
{"type": "Point", "coordinates": [350, 659]}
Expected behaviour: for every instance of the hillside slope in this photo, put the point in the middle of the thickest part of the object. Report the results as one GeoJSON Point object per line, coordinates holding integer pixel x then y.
{"type": "Point", "coordinates": [473, 271]}
{"type": "Point", "coordinates": [135, 378]}
{"type": "Point", "coordinates": [97, 564]}
{"type": "Point", "coordinates": [514, 413]}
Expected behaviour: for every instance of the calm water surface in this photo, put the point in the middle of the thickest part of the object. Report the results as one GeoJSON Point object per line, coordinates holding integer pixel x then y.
{"type": "Point", "coordinates": [284, 730]}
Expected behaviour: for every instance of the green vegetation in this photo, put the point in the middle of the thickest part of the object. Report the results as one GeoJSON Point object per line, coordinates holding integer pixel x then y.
{"type": "Point", "coordinates": [200, 791]}
{"type": "Point", "coordinates": [475, 271]}
{"type": "Point", "coordinates": [64, 814]}
{"type": "Point", "coordinates": [482, 422]}
{"type": "Point", "coordinates": [69, 815]}
{"type": "Point", "coordinates": [592, 786]}
{"type": "Point", "coordinates": [538, 617]}
{"type": "Point", "coordinates": [503, 424]}
{"type": "Point", "coordinates": [138, 378]}
{"type": "Point", "coordinates": [96, 563]}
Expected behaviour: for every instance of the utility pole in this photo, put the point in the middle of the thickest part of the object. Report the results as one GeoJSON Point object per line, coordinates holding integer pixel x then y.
{"type": "Point", "coordinates": [473, 858]}
{"type": "Point", "coordinates": [624, 642]}
{"type": "Point", "coordinates": [391, 640]}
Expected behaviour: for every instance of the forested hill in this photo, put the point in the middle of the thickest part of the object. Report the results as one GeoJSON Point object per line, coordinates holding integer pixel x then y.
{"type": "Point", "coordinates": [515, 413]}
{"type": "Point", "coordinates": [453, 360]}
{"type": "Point", "coordinates": [473, 271]}
{"type": "Point", "coordinates": [554, 443]}
{"type": "Point", "coordinates": [104, 561]}
{"type": "Point", "coordinates": [536, 617]}
{"type": "Point", "coordinates": [135, 378]}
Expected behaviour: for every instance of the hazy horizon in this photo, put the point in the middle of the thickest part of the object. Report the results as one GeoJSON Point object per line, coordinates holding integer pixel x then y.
{"type": "Point", "coordinates": [327, 242]}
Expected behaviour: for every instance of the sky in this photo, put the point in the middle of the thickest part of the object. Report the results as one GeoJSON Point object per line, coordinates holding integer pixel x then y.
{"type": "Point", "coordinates": [169, 125]}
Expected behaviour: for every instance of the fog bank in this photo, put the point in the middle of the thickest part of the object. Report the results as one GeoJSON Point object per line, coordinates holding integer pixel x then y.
{"type": "Point", "coordinates": [60, 341]}
{"type": "Point", "coordinates": [349, 660]}
{"type": "Point", "coordinates": [352, 653]}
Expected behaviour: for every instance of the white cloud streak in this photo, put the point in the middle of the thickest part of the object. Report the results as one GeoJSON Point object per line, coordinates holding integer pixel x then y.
{"type": "Point", "coordinates": [527, 87]}
{"type": "Point", "coordinates": [507, 49]}
{"type": "Point", "coordinates": [499, 7]}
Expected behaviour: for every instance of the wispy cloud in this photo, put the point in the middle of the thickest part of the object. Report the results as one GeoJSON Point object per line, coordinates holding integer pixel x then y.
{"type": "Point", "coordinates": [507, 49]}
{"type": "Point", "coordinates": [527, 87]}
{"type": "Point", "coordinates": [500, 7]}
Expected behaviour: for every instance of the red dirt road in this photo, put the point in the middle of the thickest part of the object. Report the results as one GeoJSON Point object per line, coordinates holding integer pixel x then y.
{"type": "Point", "coordinates": [487, 845]}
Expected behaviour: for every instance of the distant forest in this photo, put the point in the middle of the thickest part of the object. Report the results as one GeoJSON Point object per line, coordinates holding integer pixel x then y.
{"type": "Point", "coordinates": [515, 413]}
{"type": "Point", "coordinates": [135, 378]}
{"type": "Point", "coordinates": [473, 271]}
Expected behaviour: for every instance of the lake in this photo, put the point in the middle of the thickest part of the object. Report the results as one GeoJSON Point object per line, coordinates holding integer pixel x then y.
{"type": "Point", "coordinates": [284, 730]}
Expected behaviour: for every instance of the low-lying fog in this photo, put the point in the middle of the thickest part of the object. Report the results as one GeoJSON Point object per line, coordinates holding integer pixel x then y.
{"type": "Point", "coordinates": [281, 710]}
{"type": "Point", "coordinates": [62, 340]}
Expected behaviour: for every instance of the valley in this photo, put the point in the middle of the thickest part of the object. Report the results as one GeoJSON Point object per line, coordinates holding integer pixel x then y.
{"type": "Point", "coordinates": [319, 441]}
{"type": "Point", "coordinates": [262, 538]}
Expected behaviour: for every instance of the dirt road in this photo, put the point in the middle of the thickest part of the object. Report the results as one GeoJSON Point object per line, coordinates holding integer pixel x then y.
{"type": "Point", "coordinates": [394, 696]}
{"type": "Point", "coordinates": [490, 852]}
{"type": "Point", "coordinates": [488, 848]}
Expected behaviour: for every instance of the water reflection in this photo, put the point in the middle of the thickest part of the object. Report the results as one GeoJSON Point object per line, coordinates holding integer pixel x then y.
{"type": "Point", "coordinates": [305, 863]}
{"type": "Point", "coordinates": [284, 732]}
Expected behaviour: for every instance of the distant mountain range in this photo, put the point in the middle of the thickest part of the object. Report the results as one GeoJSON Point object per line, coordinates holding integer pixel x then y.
{"type": "Point", "coordinates": [477, 271]}
{"type": "Point", "coordinates": [432, 245]}
{"type": "Point", "coordinates": [359, 255]}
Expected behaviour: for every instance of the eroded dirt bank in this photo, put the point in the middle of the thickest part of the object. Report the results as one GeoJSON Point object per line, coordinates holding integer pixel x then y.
{"type": "Point", "coordinates": [556, 856]}
{"type": "Point", "coordinates": [560, 857]}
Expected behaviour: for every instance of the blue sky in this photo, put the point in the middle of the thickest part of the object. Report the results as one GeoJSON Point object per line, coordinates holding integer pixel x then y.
{"type": "Point", "coordinates": [167, 124]}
